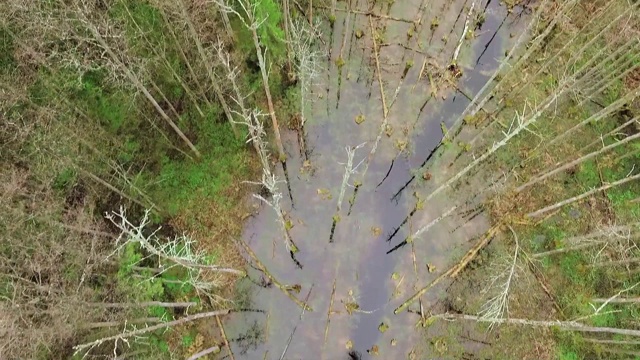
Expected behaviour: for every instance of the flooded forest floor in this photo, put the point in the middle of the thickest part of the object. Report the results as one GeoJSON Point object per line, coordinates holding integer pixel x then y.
{"type": "Point", "coordinates": [385, 195]}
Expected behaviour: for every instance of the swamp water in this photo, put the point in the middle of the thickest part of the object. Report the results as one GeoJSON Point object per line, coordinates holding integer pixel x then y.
{"type": "Point", "coordinates": [354, 283]}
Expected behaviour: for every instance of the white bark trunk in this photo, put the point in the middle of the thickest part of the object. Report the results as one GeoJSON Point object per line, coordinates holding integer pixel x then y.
{"type": "Point", "coordinates": [576, 162]}
{"type": "Point", "coordinates": [581, 196]}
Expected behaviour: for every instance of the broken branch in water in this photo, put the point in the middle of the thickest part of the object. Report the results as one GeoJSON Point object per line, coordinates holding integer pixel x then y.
{"type": "Point", "coordinates": [385, 112]}
{"type": "Point", "coordinates": [420, 231]}
{"type": "Point", "coordinates": [349, 170]}
{"type": "Point", "coordinates": [385, 109]}
{"type": "Point", "coordinates": [333, 295]}
{"type": "Point", "coordinates": [464, 33]}
{"type": "Point", "coordinates": [295, 327]}
{"type": "Point", "coordinates": [275, 282]}
{"type": "Point", "coordinates": [370, 14]}
{"type": "Point", "coordinates": [224, 337]}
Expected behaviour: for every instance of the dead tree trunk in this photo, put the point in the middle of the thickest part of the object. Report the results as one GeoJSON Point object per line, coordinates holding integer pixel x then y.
{"type": "Point", "coordinates": [138, 84]}
{"type": "Point", "coordinates": [212, 77]}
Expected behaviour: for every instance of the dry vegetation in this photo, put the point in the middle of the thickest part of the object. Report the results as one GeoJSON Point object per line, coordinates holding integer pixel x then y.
{"type": "Point", "coordinates": [110, 104]}
{"type": "Point", "coordinates": [577, 225]}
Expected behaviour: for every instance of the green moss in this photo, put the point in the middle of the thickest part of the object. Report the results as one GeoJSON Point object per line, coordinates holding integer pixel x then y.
{"type": "Point", "coordinates": [130, 148]}
{"type": "Point", "coordinates": [570, 345]}
{"type": "Point", "coordinates": [180, 182]}
{"type": "Point", "coordinates": [572, 266]}
{"type": "Point", "coordinates": [588, 175]}
{"type": "Point", "coordinates": [65, 178]}
{"type": "Point", "coordinates": [7, 61]}
{"type": "Point", "coordinates": [564, 354]}
{"type": "Point", "coordinates": [134, 287]}
{"type": "Point", "coordinates": [188, 339]}
{"type": "Point", "coordinates": [146, 33]}
{"type": "Point", "coordinates": [159, 344]}
{"type": "Point", "coordinates": [139, 15]}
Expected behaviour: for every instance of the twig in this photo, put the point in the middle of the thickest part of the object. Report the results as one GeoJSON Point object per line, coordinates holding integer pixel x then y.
{"type": "Point", "coordinates": [616, 342]}
{"type": "Point", "coordinates": [295, 327]}
{"type": "Point", "coordinates": [541, 280]}
{"type": "Point", "coordinates": [96, 325]}
{"type": "Point", "coordinates": [275, 282]}
{"type": "Point", "coordinates": [143, 304]}
{"type": "Point", "coordinates": [632, 300]}
{"type": "Point", "coordinates": [454, 270]}
{"type": "Point", "coordinates": [618, 262]}
{"type": "Point", "coordinates": [326, 328]}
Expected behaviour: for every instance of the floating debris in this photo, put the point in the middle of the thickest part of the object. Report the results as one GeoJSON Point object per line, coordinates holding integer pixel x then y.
{"type": "Point", "coordinates": [325, 194]}
{"type": "Point", "coordinates": [288, 224]}
{"type": "Point", "coordinates": [351, 307]}
{"type": "Point", "coordinates": [412, 355]}
{"type": "Point", "coordinates": [360, 119]}
{"type": "Point", "coordinates": [394, 342]}
{"type": "Point", "coordinates": [431, 268]}
{"type": "Point", "coordinates": [374, 350]}
{"type": "Point", "coordinates": [294, 288]}
{"type": "Point", "coordinates": [376, 231]}
{"type": "Point", "coordinates": [388, 130]}
{"type": "Point", "coordinates": [349, 344]}
{"type": "Point", "coordinates": [401, 145]}
{"type": "Point", "coordinates": [383, 327]}
{"type": "Point", "coordinates": [435, 23]}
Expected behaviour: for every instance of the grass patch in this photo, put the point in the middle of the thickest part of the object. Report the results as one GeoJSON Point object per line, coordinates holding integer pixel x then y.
{"type": "Point", "coordinates": [7, 47]}
{"type": "Point", "coordinates": [180, 183]}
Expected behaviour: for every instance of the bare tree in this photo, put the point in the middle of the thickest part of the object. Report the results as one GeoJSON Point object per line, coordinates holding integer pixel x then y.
{"type": "Point", "coordinates": [349, 170]}
{"type": "Point", "coordinates": [269, 180]}
{"type": "Point", "coordinates": [562, 325]}
{"type": "Point", "coordinates": [581, 196]}
{"type": "Point", "coordinates": [497, 306]}
{"type": "Point", "coordinates": [208, 66]}
{"type": "Point", "coordinates": [607, 235]}
{"type": "Point", "coordinates": [157, 52]}
{"type": "Point", "coordinates": [249, 19]}
{"type": "Point", "coordinates": [81, 11]}
{"type": "Point", "coordinates": [287, 33]}
{"type": "Point", "coordinates": [125, 335]}
{"type": "Point", "coordinates": [306, 65]}
{"type": "Point", "coordinates": [575, 162]}
{"type": "Point", "coordinates": [178, 252]}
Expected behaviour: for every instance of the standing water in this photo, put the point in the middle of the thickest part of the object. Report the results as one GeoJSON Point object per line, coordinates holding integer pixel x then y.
{"type": "Point", "coordinates": [429, 71]}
